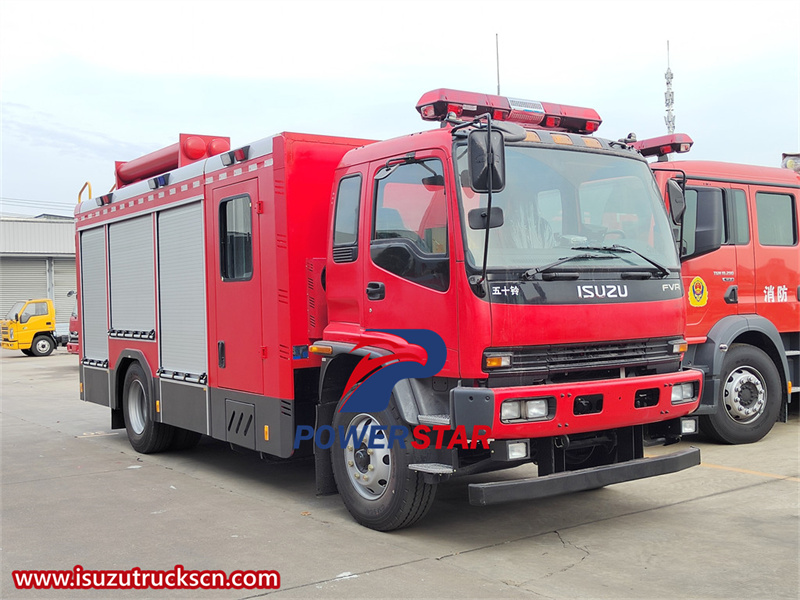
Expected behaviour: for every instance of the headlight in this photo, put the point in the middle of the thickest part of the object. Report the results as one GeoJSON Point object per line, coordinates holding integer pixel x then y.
{"type": "Point", "coordinates": [683, 392]}
{"type": "Point", "coordinates": [538, 409]}
{"type": "Point", "coordinates": [10, 334]}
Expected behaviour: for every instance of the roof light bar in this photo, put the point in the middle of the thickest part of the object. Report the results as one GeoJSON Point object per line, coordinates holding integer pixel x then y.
{"type": "Point", "coordinates": [665, 144]}
{"type": "Point", "coordinates": [441, 104]}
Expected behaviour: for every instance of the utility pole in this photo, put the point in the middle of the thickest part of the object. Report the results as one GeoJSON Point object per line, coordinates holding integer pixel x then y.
{"type": "Point", "coordinates": [669, 97]}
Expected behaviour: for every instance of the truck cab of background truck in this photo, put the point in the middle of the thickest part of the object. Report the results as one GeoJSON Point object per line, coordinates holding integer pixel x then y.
{"type": "Point", "coordinates": [30, 327]}
{"type": "Point", "coordinates": [569, 347]}
{"type": "Point", "coordinates": [743, 324]}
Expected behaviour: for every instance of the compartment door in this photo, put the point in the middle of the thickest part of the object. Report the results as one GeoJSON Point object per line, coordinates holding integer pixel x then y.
{"type": "Point", "coordinates": [235, 352]}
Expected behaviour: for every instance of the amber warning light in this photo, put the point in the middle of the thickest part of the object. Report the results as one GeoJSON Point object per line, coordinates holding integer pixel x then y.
{"type": "Point", "coordinates": [443, 104]}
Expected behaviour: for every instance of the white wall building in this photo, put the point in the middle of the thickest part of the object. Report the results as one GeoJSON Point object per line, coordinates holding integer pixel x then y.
{"type": "Point", "coordinates": [37, 260]}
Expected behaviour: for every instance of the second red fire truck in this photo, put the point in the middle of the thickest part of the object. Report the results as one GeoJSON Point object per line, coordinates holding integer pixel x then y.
{"type": "Point", "coordinates": [234, 292]}
{"type": "Point", "coordinates": [740, 249]}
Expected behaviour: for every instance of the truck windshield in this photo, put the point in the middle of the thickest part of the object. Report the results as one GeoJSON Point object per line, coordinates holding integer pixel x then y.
{"type": "Point", "coordinates": [14, 310]}
{"type": "Point", "coordinates": [560, 203]}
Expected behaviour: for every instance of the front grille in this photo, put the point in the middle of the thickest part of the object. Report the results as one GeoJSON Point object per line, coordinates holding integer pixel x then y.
{"type": "Point", "coordinates": [558, 362]}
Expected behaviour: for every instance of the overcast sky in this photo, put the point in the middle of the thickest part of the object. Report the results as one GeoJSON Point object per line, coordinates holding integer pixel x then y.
{"type": "Point", "coordinates": [86, 83]}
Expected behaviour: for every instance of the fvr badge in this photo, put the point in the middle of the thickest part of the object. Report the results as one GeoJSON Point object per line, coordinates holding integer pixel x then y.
{"type": "Point", "coordinates": [698, 292]}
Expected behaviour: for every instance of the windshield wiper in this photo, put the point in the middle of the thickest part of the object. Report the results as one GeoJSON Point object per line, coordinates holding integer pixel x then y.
{"type": "Point", "coordinates": [531, 273]}
{"type": "Point", "coordinates": [662, 270]}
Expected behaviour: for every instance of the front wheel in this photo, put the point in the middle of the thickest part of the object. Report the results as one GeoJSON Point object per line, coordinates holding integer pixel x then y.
{"type": "Point", "coordinates": [749, 397]}
{"type": "Point", "coordinates": [372, 475]}
{"type": "Point", "coordinates": [144, 433]}
{"type": "Point", "coordinates": [43, 345]}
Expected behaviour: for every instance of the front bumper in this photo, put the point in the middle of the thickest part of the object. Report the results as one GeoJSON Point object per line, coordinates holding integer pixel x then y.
{"type": "Point", "coordinates": [496, 492]}
{"type": "Point", "coordinates": [10, 345]}
{"type": "Point", "coordinates": [622, 405]}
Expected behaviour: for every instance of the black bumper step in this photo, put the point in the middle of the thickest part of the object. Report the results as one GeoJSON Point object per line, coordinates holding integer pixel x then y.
{"type": "Point", "coordinates": [496, 492]}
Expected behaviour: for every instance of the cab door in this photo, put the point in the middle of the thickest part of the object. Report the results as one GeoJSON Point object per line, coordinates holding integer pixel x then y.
{"type": "Point", "coordinates": [710, 281]}
{"type": "Point", "coordinates": [237, 353]}
{"type": "Point", "coordinates": [777, 258]}
{"type": "Point", "coordinates": [35, 317]}
{"type": "Point", "coordinates": [409, 258]}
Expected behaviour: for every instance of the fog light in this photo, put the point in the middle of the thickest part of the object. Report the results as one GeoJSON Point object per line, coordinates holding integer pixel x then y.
{"type": "Point", "coordinates": [510, 410]}
{"type": "Point", "coordinates": [536, 409]}
{"type": "Point", "coordinates": [517, 450]}
{"type": "Point", "coordinates": [688, 426]}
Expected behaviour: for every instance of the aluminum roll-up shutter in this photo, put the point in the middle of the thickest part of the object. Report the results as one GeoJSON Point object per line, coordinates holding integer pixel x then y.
{"type": "Point", "coordinates": [21, 279]}
{"type": "Point", "coordinates": [182, 290]}
{"type": "Point", "coordinates": [131, 269]}
{"type": "Point", "coordinates": [94, 298]}
{"type": "Point", "coordinates": [63, 283]}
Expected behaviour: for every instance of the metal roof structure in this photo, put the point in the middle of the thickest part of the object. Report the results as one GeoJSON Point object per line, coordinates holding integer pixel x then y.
{"type": "Point", "coordinates": [37, 236]}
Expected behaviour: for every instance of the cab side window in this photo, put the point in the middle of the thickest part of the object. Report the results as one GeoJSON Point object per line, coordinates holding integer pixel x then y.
{"type": "Point", "coordinates": [409, 233]}
{"type": "Point", "coordinates": [345, 226]}
{"type": "Point", "coordinates": [777, 219]}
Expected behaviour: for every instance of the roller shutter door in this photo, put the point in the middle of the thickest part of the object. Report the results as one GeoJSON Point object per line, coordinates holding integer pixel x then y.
{"type": "Point", "coordinates": [182, 290]}
{"type": "Point", "coordinates": [64, 282]}
{"type": "Point", "coordinates": [94, 294]}
{"type": "Point", "coordinates": [131, 269]}
{"type": "Point", "coordinates": [21, 279]}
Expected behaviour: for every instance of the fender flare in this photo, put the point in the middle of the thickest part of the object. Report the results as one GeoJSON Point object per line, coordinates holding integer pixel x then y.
{"type": "Point", "coordinates": [405, 399]}
{"type": "Point", "coordinates": [710, 355]}
{"type": "Point", "coordinates": [118, 377]}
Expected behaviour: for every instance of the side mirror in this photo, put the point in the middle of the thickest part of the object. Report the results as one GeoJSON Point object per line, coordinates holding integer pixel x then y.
{"type": "Point", "coordinates": [477, 218]}
{"type": "Point", "coordinates": [677, 201]}
{"type": "Point", "coordinates": [478, 150]}
{"type": "Point", "coordinates": [16, 316]}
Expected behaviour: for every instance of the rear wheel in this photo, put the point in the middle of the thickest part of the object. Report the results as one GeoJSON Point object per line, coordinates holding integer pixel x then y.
{"type": "Point", "coordinates": [144, 433]}
{"type": "Point", "coordinates": [375, 483]}
{"type": "Point", "coordinates": [43, 345]}
{"type": "Point", "coordinates": [749, 397]}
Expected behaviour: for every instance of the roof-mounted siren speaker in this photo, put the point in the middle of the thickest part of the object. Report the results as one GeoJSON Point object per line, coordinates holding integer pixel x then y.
{"type": "Point", "coordinates": [189, 149]}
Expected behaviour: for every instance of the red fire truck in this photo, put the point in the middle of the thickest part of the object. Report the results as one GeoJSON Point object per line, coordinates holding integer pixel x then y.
{"type": "Point", "coordinates": [233, 293]}
{"type": "Point", "coordinates": [741, 274]}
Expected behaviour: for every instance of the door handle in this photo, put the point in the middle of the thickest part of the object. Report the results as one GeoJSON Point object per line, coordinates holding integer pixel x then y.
{"type": "Point", "coordinates": [376, 290]}
{"type": "Point", "coordinates": [221, 354]}
{"type": "Point", "coordinates": [732, 295]}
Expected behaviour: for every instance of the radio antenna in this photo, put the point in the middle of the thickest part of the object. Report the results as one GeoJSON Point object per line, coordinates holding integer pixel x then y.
{"type": "Point", "coordinates": [497, 55]}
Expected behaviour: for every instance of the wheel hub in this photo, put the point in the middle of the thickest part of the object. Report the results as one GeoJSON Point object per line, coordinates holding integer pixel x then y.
{"type": "Point", "coordinates": [368, 468]}
{"type": "Point", "coordinates": [744, 395]}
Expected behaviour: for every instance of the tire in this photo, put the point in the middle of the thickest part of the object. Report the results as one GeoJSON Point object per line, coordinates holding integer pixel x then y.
{"type": "Point", "coordinates": [394, 496]}
{"type": "Point", "coordinates": [27, 352]}
{"type": "Point", "coordinates": [183, 439]}
{"type": "Point", "coordinates": [145, 435]}
{"type": "Point", "coordinates": [43, 345]}
{"type": "Point", "coordinates": [749, 397]}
